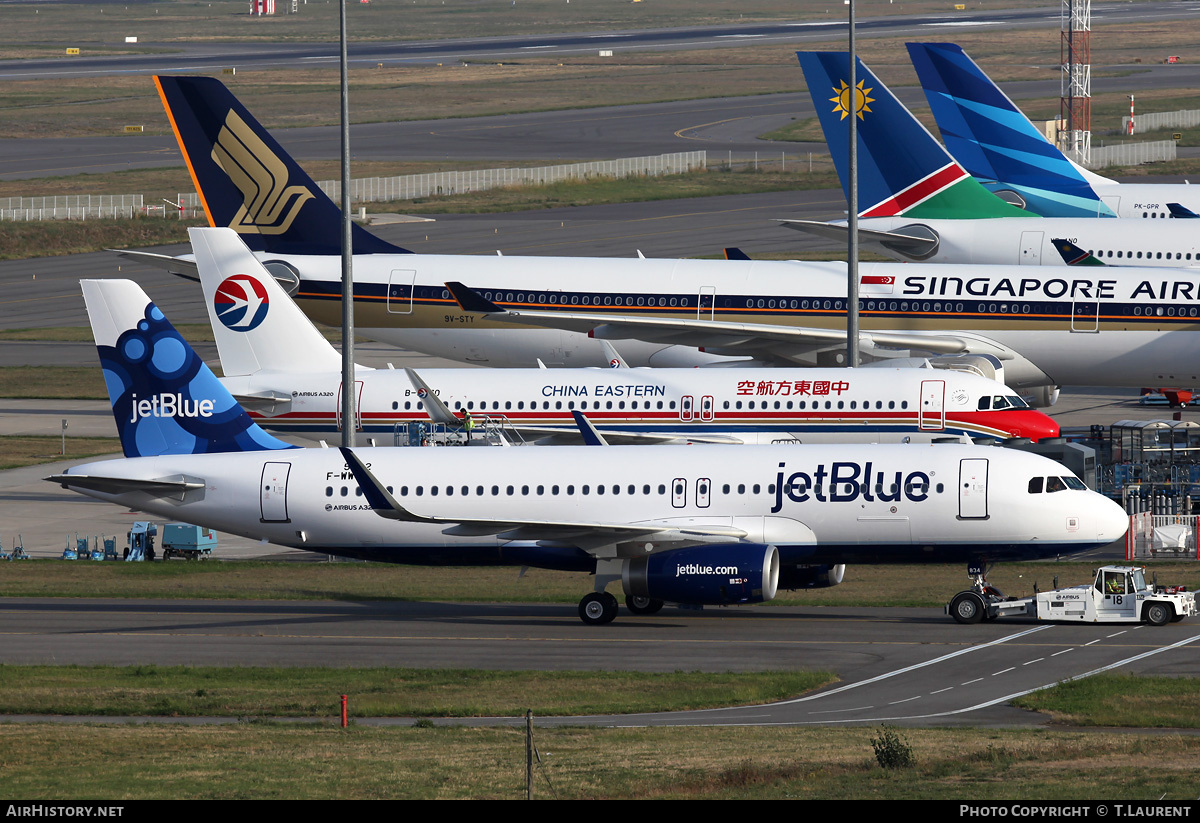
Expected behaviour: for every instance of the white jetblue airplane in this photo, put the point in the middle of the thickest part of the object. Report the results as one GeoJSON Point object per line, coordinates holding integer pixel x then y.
{"type": "Point", "coordinates": [677, 525]}
{"type": "Point", "coordinates": [288, 376]}
{"type": "Point", "coordinates": [907, 217]}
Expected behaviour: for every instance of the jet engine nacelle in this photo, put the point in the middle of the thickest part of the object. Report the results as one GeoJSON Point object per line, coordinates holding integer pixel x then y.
{"type": "Point", "coordinates": [705, 575]}
{"type": "Point", "coordinates": [811, 577]}
{"type": "Point", "coordinates": [1044, 397]}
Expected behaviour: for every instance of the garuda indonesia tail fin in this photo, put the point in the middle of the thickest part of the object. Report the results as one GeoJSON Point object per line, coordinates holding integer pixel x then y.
{"type": "Point", "coordinates": [902, 169]}
{"type": "Point", "coordinates": [165, 400]}
{"type": "Point", "coordinates": [247, 181]}
{"type": "Point", "coordinates": [994, 141]}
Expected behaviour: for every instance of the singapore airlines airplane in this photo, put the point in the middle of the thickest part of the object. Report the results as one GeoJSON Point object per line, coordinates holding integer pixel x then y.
{"type": "Point", "coordinates": [989, 135]}
{"type": "Point", "coordinates": [674, 525]}
{"type": "Point", "coordinates": [288, 377]}
{"type": "Point", "coordinates": [1127, 326]}
{"type": "Point", "coordinates": [906, 217]}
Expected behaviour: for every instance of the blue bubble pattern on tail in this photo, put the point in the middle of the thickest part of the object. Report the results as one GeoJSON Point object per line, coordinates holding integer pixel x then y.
{"type": "Point", "coordinates": [167, 401]}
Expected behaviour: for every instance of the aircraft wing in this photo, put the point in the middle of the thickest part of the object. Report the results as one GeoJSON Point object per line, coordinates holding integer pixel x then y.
{"type": "Point", "coordinates": [438, 411]}
{"type": "Point", "coordinates": [600, 539]}
{"type": "Point", "coordinates": [175, 487]}
{"type": "Point", "coordinates": [550, 436]}
{"type": "Point", "coordinates": [762, 341]}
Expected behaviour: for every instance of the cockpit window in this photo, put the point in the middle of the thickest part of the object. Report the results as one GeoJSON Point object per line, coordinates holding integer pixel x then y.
{"type": "Point", "coordinates": [1055, 484]}
{"type": "Point", "coordinates": [985, 403]}
{"type": "Point", "coordinates": [1016, 402]}
{"type": "Point", "coordinates": [1035, 485]}
{"type": "Point", "coordinates": [1074, 483]}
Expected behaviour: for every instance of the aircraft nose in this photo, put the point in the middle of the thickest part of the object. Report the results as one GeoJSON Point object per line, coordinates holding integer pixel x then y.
{"type": "Point", "coordinates": [1040, 428]}
{"type": "Point", "coordinates": [1111, 519]}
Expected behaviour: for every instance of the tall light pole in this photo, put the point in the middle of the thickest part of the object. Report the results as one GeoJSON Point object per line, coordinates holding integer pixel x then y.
{"type": "Point", "coordinates": [852, 194]}
{"type": "Point", "coordinates": [349, 393]}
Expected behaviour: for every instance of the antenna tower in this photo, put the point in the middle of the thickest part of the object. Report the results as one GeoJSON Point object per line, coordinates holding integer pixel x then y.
{"type": "Point", "coordinates": [1075, 55]}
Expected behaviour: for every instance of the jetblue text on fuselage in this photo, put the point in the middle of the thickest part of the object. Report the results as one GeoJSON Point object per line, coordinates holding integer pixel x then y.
{"type": "Point", "coordinates": [847, 482]}
{"type": "Point", "coordinates": [169, 405]}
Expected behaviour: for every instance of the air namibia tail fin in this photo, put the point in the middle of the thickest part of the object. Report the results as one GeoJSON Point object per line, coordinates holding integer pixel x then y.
{"type": "Point", "coordinates": [247, 181]}
{"type": "Point", "coordinates": [902, 169]}
{"type": "Point", "coordinates": [994, 141]}
{"type": "Point", "coordinates": [256, 325]}
{"type": "Point", "coordinates": [165, 400]}
{"type": "Point", "coordinates": [1072, 255]}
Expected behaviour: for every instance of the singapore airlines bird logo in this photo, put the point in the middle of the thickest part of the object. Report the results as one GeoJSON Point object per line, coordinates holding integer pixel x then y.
{"type": "Point", "coordinates": [269, 204]}
{"type": "Point", "coordinates": [241, 302]}
{"type": "Point", "coordinates": [844, 105]}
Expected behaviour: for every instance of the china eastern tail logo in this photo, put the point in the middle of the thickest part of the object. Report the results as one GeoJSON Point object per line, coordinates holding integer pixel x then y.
{"type": "Point", "coordinates": [241, 302]}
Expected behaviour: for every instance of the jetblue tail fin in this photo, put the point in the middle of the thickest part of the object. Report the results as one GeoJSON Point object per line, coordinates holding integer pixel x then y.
{"type": "Point", "coordinates": [256, 325]}
{"type": "Point", "coordinates": [902, 169]}
{"type": "Point", "coordinates": [994, 141]}
{"type": "Point", "coordinates": [165, 400]}
{"type": "Point", "coordinates": [247, 181]}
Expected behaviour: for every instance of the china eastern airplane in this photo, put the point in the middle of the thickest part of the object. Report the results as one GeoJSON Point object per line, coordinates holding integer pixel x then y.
{"type": "Point", "coordinates": [900, 164]}
{"type": "Point", "coordinates": [673, 525]}
{"type": "Point", "coordinates": [289, 378]}
{"type": "Point", "coordinates": [989, 135]}
{"type": "Point", "coordinates": [1124, 327]}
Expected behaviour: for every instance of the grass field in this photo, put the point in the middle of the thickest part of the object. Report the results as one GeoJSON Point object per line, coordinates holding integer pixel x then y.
{"type": "Point", "coordinates": [259, 758]}
{"type": "Point", "coordinates": [185, 691]}
{"type": "Point", "coordinates": [320, 761]}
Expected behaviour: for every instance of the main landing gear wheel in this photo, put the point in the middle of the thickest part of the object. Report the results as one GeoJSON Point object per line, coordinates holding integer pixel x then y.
{"type": "Point", "coordinates": [598, 608]}
{"type": "Point", "coordinates": [967, 607]}
{"type": "Point", "coordinates": [642, 605]}
{"type": "Point", "coordinates": [1158, 614]}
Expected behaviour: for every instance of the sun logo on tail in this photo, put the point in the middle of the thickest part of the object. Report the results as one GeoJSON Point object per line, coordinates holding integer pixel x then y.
{"type": "Point", "coordinates": [842, 99]}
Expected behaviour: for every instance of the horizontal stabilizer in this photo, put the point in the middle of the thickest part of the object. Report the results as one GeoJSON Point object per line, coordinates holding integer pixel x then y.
{"type": "Point", "coordinates": [175, 487]}
{"type": "Point", "coordinates": [922, 242]}
{"type": "Point", "coordinates": [182, 266]}
{"type": "Point", "coordinates": [266, 402]}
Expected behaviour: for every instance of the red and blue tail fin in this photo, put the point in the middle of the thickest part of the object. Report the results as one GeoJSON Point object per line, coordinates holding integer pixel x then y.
{"type": "Point", "coordinates": [902, 169]}
{"type": "Point", "coordinates": [247, 181]}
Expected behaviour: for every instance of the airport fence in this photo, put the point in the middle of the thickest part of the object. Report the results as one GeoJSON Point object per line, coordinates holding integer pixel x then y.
{"type": "Point", "coordinates": [1152, 121]}
{"type": "Point", "coordinates": [407, 187]}
{"type": "Point", "coordinates": [1171, 536]}
{"type": "Point", "coordinates": [1131, 154]}
{"type": "Point", "coordinates": [71, 207]}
